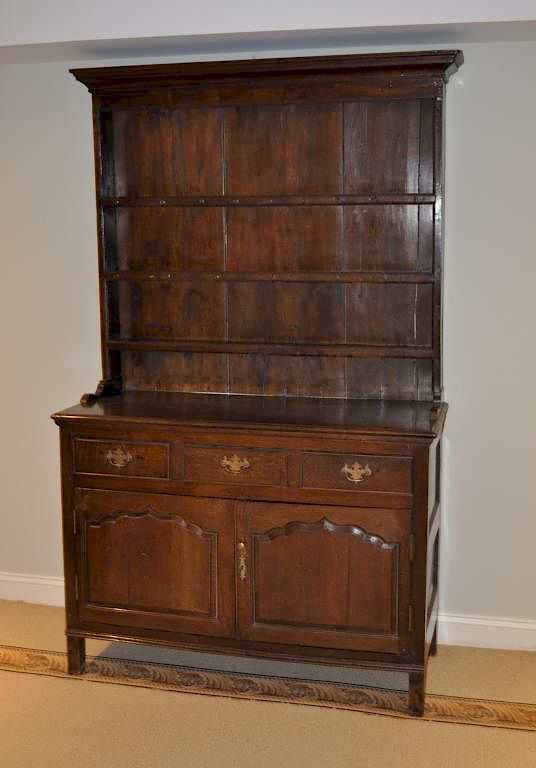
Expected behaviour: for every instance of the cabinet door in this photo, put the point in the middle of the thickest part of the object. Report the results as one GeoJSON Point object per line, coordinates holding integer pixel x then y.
{"type": "Point", "coordinates": [155, 561]}
{"type": "Point", "coordinates": [335, 577]}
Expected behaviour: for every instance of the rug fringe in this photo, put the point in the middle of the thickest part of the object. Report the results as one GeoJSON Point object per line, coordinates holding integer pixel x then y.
{"type": "Point", "coordinates": [378, 701]}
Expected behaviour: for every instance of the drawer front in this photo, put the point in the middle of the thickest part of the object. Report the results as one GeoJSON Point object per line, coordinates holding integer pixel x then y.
{"type": "Point", "coordinates": [350, 471]}
{"type": "Point", "coordinates": [121, 458]}
{"type": "Point", "coordinates": [234, 464]}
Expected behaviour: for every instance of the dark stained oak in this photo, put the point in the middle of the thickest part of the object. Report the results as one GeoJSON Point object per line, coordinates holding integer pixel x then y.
{"type": "Point", "coordinates": [258, 470]}
{"type": "Point", "coordinates": [171, 310]}
{"type": "Point", "coordinates": [156, 561]}
{"type": "Point", "coordinates": [283, 149]}
{"type": "Point", "coordinates": [153, 239]}
{"type": "Point", "coordinates": [310, 313]}
{"type": "Point", "coordinates": [160, 372]}
{"type": "Point", "coordinates": [284, 238]}
{"type": "Point", "coordinates": [396, 417]}
{"type": "Point", "coordinates": [234, 233]}
{"type": "Point", "coordinates": [232, 464]}
{"type": "Point", "coordinates": [287, 375]}
{"type": "Point", "coordinates": [389, 238]}
{"type": "Point", "coordinates": [390, 378]}
{"type": "Point", "coordinates": [379, 378]}
{"type": "Point", "coordinates": [178, 152]}
{"type": "Point", "coordinates": [391, 315]}
{"type": "Point", "coordinates": [119, 457]}
{"type": "Point", "coordinates": [384, 149]}
{"type": "Point", "coordinates": [373, 473]}
{"type": "Point", "coordinates": [325, 576]}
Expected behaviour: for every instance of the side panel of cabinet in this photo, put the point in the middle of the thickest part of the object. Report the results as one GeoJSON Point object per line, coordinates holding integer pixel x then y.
{"type": "Point", "coordinates": [335, 577]}
{"type": "Point", "coordinates": [155, 561]}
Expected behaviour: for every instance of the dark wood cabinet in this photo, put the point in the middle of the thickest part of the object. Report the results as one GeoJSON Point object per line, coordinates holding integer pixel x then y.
{"type": "Point", "coordinates": [258, 470]}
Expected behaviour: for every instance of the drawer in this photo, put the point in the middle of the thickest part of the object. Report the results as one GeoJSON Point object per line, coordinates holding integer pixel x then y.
{"type": "Point", "coordinates": [115, 457]}
{"type": "Point", "coordinates": [350, 471]}
{"type": "Point", "coordinates": [235, 464]}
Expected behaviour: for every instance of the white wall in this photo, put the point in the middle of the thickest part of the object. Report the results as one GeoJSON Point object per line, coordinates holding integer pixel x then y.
{"type": "Point", "coordinates": [49, 319]}
{"type": "Point", "coordinates": [489, 564]}
{"type": "Point", "coordinates": [35, 21]}
{"type": "Point", "coordinates": [48, 312]}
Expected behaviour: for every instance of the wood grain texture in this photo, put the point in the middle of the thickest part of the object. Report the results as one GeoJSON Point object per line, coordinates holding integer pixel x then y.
{"type": "Point", "coordinates": [287, 149]}
{"type": "Point", "coordinates": [178, 152]}
{"type": "Point", "coordinates": [174, 371]}
{"type": "Point", "coordinates": [187, 310]}
{"type": "Point", "coordinates": [324, 470]}
{"type": "Point", "coordinates": [284, 238]}
{"type": "Point", "coordinates": [124, 458]}
{"type": "Point", "coordinates": [156, 561]}
{"type": "Point", "coordinates": [155, 239]}
{"type": "Point", "coordinates": [389, 238]}
{"type": "Point", "coordinates": [311, 313]}
{"type": "Point", "coordinates": [398, 418]}
{"type": "Point", "coordinates": [261, 467]}
{"type": "Point", "coordinates": [382, 148]}
{"type": "Point", "coordinates": [397, 315]}
{"type": "Point", "coordinates": [386, 378]}
{"type": "Point", "coordinates": [287, 375]}
{"type": "Point", "coordinates": [204, 249]}
{"type": "Point", "coordinates": [325, 576]}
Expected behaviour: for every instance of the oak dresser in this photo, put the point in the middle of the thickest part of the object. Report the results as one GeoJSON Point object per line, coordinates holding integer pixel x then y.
{"type": "Point", "coordinates": [258, 471]}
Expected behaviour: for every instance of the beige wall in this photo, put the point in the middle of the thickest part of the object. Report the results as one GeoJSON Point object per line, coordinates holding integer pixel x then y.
{"type": "Point", "coordinates": [49, 318]}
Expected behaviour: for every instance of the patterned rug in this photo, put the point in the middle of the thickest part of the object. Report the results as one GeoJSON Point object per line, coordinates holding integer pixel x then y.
{"type": "Point", "coordinates": [439, 708]}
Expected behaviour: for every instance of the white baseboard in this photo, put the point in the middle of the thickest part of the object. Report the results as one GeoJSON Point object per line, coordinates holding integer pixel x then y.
{"type": "Point", "coordinates": [32, 588]}
{"type": "Point", "coordinates": [453, 629]}
{"type": "Point", "coordinates": [487, 632]}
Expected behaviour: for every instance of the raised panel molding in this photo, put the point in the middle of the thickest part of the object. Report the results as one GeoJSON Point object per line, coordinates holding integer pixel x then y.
{"type": "Point", "coordinates": [314, 575]}
{"type": "Point", "coordinates": [152, 577]}
{"type": "Point", "coordinates": [116, 515]}
{"type": "Point", "coordinates": [326, 525]}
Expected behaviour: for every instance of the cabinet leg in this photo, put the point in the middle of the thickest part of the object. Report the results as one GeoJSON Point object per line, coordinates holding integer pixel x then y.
{"type": "Point", "coordinates": [76, 655]}
{"type": "Point", "coordinates": [416, 693]}
{"type": "Point", "coordinates": [433, 644]}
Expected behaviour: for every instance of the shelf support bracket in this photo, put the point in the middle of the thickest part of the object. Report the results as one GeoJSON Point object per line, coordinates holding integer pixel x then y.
{"type": "Point", "coordinates": [105, 388]}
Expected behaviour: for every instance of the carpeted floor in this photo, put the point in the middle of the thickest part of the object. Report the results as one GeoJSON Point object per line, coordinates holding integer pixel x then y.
{"type": "Point", "coordinates": [48, 719]}
{"type": "Point", "coordinates": [379, 701]}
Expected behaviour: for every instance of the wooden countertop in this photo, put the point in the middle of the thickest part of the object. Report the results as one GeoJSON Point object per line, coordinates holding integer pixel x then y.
{"type": "Point", "coordinates": [386, 417]}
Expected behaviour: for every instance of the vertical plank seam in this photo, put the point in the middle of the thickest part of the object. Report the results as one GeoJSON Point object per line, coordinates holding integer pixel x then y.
{"type": "Point", "coordinates": [225, 250]}
{"type": "Point", "coordinates": [343, 241]}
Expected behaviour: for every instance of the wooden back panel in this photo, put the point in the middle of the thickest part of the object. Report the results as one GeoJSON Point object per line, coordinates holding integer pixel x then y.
{"type": "Point", "coordinates": [273, 227]}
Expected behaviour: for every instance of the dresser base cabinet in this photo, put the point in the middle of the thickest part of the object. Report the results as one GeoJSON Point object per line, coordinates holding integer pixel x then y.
{"type": "Point", "coordinates": [232, 548]}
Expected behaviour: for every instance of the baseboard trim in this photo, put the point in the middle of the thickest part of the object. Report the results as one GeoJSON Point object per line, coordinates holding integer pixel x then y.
{"type": "Point", "coordinates": [487, 632]}
{"type": "Point", "coordinates": [453, 628]}
{"type": "Point", "coordinates": [32, 588]}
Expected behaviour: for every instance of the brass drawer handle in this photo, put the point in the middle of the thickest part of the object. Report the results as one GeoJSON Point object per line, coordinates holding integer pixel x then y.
{"type": "Point", "coordinates": [234, 465]}
{"type": "Point", "coordinates": [242, 560]}
{"type": "Point", "coordinates": [119, 458]}
{"type": "Point", "coordinates": [357, 473]}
